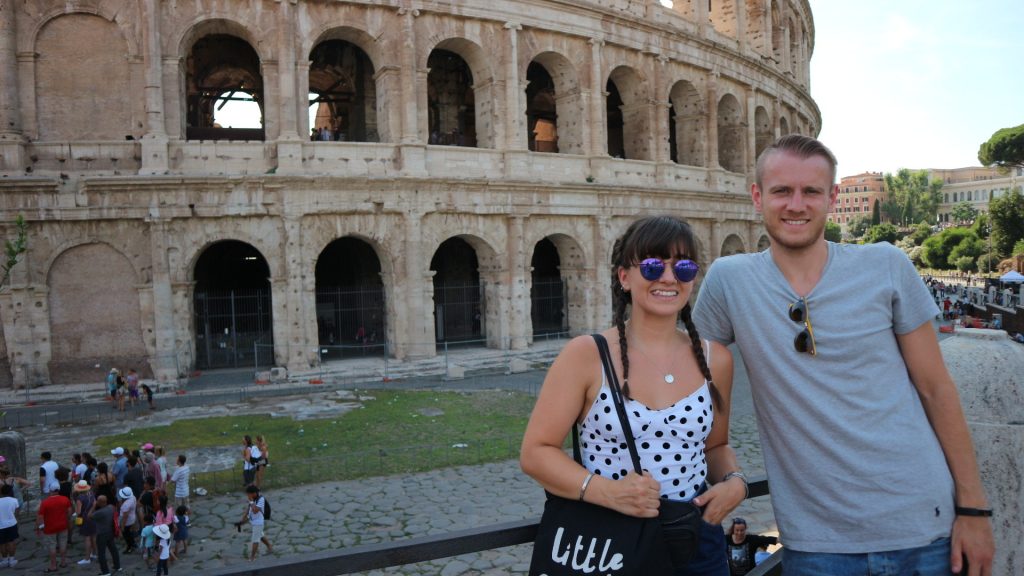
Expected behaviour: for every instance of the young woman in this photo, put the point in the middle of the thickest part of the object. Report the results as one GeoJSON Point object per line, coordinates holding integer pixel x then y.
{"type": "Point", "coordinates": [248, 465]}
{"type": "Point", "coordinates": [261, 461]}
{"type": "Point", "coordinates": [676, 390]}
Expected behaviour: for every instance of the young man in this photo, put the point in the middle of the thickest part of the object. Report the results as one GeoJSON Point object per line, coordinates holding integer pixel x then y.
{"type": "Point", "coordinates": [741, 547]}
{"type": "Point", "coordinates": [52, 525]}
{"type": "Point", "coordinates": [865, 443]}
{"type": "Point", "coordinates": [180, 481]}
{"type": "Point", "coordinates": [48, 474]}
{"type": "Point", "coordinates": [254, 516]}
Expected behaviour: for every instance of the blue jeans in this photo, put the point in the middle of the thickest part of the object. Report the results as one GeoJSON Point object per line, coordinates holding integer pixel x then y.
{"type": "Point", "coordinates": [710, 558]}
{"type": "Point", "coordinates": [930, 560]}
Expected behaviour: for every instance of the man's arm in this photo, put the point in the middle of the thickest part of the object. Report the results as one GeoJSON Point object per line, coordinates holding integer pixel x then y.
{"type": "Point", "coordinates": [972, 536]}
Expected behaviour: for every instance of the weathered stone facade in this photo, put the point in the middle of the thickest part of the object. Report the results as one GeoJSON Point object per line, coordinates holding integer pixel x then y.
{"type": "Point", "coordinates": [143, 210]}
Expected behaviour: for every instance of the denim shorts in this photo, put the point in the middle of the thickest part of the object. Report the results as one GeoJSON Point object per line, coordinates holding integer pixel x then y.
{"type": "Point", "coordinates": [710, 559]}
{"type": "Point", "coordinates": [929, 560]}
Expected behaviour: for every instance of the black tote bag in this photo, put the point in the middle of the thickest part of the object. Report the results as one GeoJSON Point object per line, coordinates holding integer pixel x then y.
{"type": "Point", "coordinates": [576, 538]}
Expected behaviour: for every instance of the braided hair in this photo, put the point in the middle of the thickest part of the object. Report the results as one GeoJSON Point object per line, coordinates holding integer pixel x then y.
{"type": "Point", "coordinates": [653, 236]}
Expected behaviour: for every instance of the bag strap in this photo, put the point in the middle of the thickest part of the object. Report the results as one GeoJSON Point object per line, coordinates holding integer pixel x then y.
{"type": "Point", "coordinates": [620, 408]}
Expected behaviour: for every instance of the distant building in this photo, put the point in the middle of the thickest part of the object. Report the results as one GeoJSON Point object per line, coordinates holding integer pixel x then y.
{"type": "Point", "coordinates": [975, 185]}
{"type": "Point", "coordinates": [857, 197]}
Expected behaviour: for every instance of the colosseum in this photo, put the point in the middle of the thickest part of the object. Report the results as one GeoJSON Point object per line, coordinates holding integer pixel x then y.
{"type": "Point", "coordinates": [420, 172]}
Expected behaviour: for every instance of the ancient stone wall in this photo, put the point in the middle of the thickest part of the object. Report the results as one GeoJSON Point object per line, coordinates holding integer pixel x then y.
{"type": "Point", "coordinates": [152, 222]}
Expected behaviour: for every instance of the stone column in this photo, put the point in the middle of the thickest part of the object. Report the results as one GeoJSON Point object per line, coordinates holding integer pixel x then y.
{"type": "Point", "coordinates": [515, 127]}
{"type": "Point", "coordinates": [418, 339]}
{"type": "Point", "coordinates": [12, 140]}
{"type": "Point", "coordinates": [712, 159]}
{"type": "Point", "coordinates": [715, 249]}
{"type": "Point", "coordinates": [299, 352]}
{"type": "Point", "coordinates": [741, 26]}
{"type": "Point", "coordinates": [602, 308]}
{"type": "Point", "coordinates": [519, 321]}
{"type": "Point", "coordinates": [703, 24]}
{"type": "Point", "coordinates": [154, 141]}
{"type": "Point", "coordinates": [289, 145]}
{"type": "Point", "coordinates": [993, 403]}
{"type": "Point", "coordinates": [598, 130]}
{"type": "Point", "coordinates": [165, 363]}
{"type": "Point", "coordinates": [410, 68]}
{"type": "Point", "coordinates": [777, 118]}
{"type": "Point", "coordinates": [751, 153]}
{"type": "Point", "coordinates": [661, 111]}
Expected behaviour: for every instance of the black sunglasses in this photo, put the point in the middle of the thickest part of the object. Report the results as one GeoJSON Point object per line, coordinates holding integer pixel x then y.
{"type": "Point", "coordinates": [652, 269]}
{"type": "Point", "coordinates": [804, 341]}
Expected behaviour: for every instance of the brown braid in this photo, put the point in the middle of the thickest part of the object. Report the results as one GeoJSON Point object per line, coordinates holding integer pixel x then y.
{"type": "Point", "coordinates": [620, 300]}
{"type": "Point", "coordinates": [698, 351]}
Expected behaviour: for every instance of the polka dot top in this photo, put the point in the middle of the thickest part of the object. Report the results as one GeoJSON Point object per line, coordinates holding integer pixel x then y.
{"type": "Point", "coordinates": [669, 441]}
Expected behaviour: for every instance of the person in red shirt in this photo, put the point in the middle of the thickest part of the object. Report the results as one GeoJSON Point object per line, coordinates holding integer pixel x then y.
{"type": "Point", "coordinates": [53, 523]}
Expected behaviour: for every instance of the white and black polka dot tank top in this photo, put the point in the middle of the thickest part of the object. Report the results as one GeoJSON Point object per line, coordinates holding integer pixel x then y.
{"type": "Point", "coordinates": [669, 441]}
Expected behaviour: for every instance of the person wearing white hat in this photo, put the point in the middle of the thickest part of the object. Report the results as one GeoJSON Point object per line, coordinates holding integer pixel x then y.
{"type": "Point", "coordinates": [126, 517]}
{"type": "Point", "coordinates": [120, 467]}
{"type": "Point", "coordinates": [163, 533]}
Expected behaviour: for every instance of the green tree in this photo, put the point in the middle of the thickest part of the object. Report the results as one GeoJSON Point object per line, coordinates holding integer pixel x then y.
{"type": "Point", "coordinates": [881, 233]}
{"type": "Point", "coordinates": [1006, 214]}
{"type": "Point", "coordinates": [964, 213]}
{"type": "Point", "coordinates": [981, 226]}
{"type": "Point", "coordinates": [14, 249]}
{"type": "Point", "coordinates": [833, 232]}
{"type": "Point", "coordinates": [1018, 248]}
{"type": "Point", "coordinates": [1005, 149]}
{"type": "Point", "coordinates": [858, 225]}
{"type": "Point", "coordinates": [911, 197]}
{"type": "Point", "coordinates": [937, 248]}
{"type": "Point", "coordinates": [989, 262]}
{"type": "Point", "coordinates": [876, 213]}
{"type": "Point", "coordinates": [966, 264]}
{"type": "Point", "coordinates": [971, 246]}
{"type": "Point", "coordinates": [920, 233]}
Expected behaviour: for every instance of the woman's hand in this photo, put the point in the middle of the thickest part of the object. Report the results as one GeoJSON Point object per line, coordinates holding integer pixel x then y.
{"type": "Point", "coordinates": [721, 499]}
{"type": "Point", "coordinates": [633, 494]}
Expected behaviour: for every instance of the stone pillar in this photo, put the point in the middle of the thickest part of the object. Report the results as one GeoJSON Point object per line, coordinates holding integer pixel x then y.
{"type": "Point", "coordinates": [777, 118]}
{"type": "Point", "coordinates": [154, 141]}
{"type": "Point", "coordinates": [418, 340]}
{"type": "Point", "coordinates": [715, 249]}
{"type": "Point", "coordinates": [165, 363]}
{"type": "Point", "coordinates": [289, 145]}
{"type": "Point", "coordinates": [712, 159]}
{"type": "Point", "coordinates": [741, 26]}
{"type": "Point", "coordinates": [280, 315]}
{"type": "Point", "coordinates": [12, 140]}
{"type": "Point", "coordinates": [661, 111]}
{"type": "Point", "coordinates": [410, 69]}
{"type": "Point", "coordinates": [703, 15]}
{"type": "Point", "coordinates": [598, 130]}
{"type": "Point", "coordinates": [300, 353]}
{"type": "Point", "coordinates": [519, 320]}
{"type": "Point", "coordinates": [986, 365]}
{"type": "Point", "coordinates": [515, 126]}
{"type": "Point", "coordinates": [602, 300]}
{"type": "Point", "coordinates": [751, 154]}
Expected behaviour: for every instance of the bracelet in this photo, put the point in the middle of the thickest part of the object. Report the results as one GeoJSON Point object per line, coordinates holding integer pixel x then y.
{"type": "Point", "coordinates": [966, 511]}
{"type": "Point", "coordinates": [586, 482]}
{"type": "Point", "coordinates": [741, 476]}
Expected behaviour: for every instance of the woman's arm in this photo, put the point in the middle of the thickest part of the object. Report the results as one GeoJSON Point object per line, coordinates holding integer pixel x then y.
{"type": "Point", "coordinates": [568, 391]}
{"type": "Point", "coordinates": [722, 497]}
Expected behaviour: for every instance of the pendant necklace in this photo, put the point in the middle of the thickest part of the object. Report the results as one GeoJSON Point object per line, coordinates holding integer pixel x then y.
{"type": "Point", "coordinates": [669, 378]}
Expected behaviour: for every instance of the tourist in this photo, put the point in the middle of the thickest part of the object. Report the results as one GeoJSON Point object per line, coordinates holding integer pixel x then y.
{"type": "Point", "coordinates": [741, 547]}
{"type": "Point", "coordinates": [180, 480]}
{"type": "Point", "coordinates": [163, 535]}
{"type": "Point", "coordinates": [676, 389]}
{"type": "Point", "coordinates": [263, 459]}
{"type": "Point", "coordinates": [52, 527]}
{"type": "Point", "coordinates": [848, 385]}
{"type": "Point", "coordinates": [48, 474]}
{"type": "Point", "coordinates": [126, 517]}
{"type": "Point", "coordinates": [106, 540]}
{"type": "Point", "coordinates": [84, 501]}
{"type": "Point", "coordinates": [8, 526]}
{"type": "Point", "coordinates": [248, 461]}
{"type": "Point", "coordinates": [254, 506]}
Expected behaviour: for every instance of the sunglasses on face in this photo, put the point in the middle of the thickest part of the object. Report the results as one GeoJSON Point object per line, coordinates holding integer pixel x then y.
{"type": "Point", "coordinates": [685, 270]}
{"type": "Point", "coordinates": [804, 341]}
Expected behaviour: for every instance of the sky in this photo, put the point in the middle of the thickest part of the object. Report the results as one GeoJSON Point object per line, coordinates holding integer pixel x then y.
{"type": "Point", "coordinates": [915, 83]}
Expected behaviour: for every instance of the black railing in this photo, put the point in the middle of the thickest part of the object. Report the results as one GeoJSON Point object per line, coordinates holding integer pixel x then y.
{"type": "Point", "coordinates": [427, 548]}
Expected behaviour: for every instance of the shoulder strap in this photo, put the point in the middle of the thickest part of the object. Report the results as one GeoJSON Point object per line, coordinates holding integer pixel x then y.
{"type": "Point", "coordinates": [620, 408]}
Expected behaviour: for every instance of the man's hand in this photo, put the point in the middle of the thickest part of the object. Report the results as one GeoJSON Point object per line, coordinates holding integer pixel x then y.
{"type": "Point", "coordinates": [972, 539]}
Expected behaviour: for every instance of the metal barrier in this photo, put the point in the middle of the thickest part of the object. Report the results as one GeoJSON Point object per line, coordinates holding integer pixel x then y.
{"type": "Point", "coordinates": [426, 548]}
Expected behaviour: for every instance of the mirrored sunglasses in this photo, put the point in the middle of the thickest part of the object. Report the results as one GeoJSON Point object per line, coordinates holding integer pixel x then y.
{"type": "Point", "coordinates": [685, 270]}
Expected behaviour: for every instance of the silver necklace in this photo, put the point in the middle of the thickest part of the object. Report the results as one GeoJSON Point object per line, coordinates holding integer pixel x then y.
{"type": "Point", "coordinates": [669, 378]}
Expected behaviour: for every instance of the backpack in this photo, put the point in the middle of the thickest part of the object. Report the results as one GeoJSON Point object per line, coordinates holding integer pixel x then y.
{"type": "Point", "coordinates": [266, 508]}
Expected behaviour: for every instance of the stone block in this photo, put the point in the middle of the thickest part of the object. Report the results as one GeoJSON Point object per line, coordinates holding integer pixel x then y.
{"type": "Point", "coordinates": [517, 365]}
{"type": "Point", "coordinates": [456, 372]}
{"type": "Point", "coordinates": [278, 373]}
{"type": "Point", "coordinates": [12, 446]}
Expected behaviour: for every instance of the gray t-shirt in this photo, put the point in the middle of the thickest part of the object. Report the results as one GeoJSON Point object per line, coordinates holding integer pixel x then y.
{"type": "Point", "coordinates": [853, 463]}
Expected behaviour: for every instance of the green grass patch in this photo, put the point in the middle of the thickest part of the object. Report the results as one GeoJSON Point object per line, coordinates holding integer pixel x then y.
{"type": "Point", "coordinates": [392, 432]}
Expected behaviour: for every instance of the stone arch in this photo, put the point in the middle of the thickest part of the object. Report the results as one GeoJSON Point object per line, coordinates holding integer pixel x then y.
{"type": "Point", "coordinates": [564, 293]}
{"type": "Point", "coordinates": [73, 102]}
{"type": "Point", "coordinates": [94, 319]}
{"type": "Point", "coordinates": [763, 243]}
{"type": "Point", "coordinates": [465, 291]}
{"type": "Point", "coordinates": [783, 126]}
{"type": "Point", "coordinates": [731, 134]}
{"type": "Point", "coordinates": [230, 65]}
{"type": "Point", "coordinates": [232, 306]}
{"type": "Point", "coordinates": [567, 100]}
{"type": "Point", "coordinates": [764, 134]}
{"type": "Point", "coordinates": [346, 33]}
{"type": "Point", "coordinates": [351, 308]}
{"type": "Point", "coordinates": [342, 75]}
{"type": "Point", "coordinates": [472, 102]}
{"type": "Point", "coordinates": [733, 244]}
{"type": "Point", "coordinates": [630, 124]}
{"type": "Point", "coordinates": [688, 117]}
